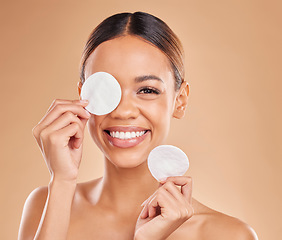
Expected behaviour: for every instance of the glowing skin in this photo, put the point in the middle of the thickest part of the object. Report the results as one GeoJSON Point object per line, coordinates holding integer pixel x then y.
{"type": "Point", "coordinates": [110, 207]}
{"type": "Point", "coordinates": [127, 59]}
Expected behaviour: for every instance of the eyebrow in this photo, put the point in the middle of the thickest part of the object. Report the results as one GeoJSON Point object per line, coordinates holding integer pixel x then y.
{"type": "Point", "coordinates": [147, 77]}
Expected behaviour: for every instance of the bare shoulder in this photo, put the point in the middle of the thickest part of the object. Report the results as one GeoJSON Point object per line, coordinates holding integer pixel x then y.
{"type": "Point", "coordinates": [227, 227]}
{"type": "Point", "coordinates": [35, 203]}
{"type": "Point", "coordinates": [211, 224]}
{"type": "Point", "coordinates": [32, 212]}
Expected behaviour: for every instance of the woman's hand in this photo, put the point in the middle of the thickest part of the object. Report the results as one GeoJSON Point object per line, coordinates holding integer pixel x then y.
{"type": "Point", "coordinates": [166, 210]}
{"type": "Point", "coordinates": [60, 135]}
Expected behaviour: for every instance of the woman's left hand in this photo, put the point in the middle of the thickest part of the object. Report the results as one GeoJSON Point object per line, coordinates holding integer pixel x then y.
{"type": "Point", "coordinates": [166, 210]}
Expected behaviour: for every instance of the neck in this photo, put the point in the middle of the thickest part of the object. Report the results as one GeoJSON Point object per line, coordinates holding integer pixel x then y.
{"type": "Point", "coordinates": [123, 189]}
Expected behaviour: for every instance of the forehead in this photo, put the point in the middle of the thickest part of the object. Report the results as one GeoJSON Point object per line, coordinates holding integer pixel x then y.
{"type": "Point", "coordinates": [128, 56]}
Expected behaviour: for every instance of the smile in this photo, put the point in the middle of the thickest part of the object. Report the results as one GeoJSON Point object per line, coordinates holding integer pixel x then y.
{"type": "Point", "coordinates": [126, 135]}
{"type": "Point", "coordinates": [126, 138]}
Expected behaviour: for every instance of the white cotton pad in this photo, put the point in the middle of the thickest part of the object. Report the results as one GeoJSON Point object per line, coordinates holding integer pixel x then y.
{"type": "Point", "coordinates": [167, 161]}
{"type": "Point", "coordinates": [102, 91]}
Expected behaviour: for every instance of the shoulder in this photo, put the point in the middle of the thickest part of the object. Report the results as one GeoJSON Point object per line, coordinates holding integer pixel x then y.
{"type": "Point", "coordinates": [214, 225]}
{"type": "Point", "coordinates": [36, 200]}
{"type": "Point", "coordinates": [35, 203]}
{"type": "Point", "coordinates": [32, 212]}
{"type": "Point", "coordinates": [223, 226]}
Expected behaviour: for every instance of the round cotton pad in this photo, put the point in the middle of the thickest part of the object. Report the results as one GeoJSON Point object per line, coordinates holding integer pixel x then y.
{"type": "Point", "coordinates": [102, 91]}
{"type": "Point", "coordinates": [167, 161]}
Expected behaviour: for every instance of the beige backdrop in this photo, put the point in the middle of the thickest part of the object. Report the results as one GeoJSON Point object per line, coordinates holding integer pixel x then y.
{"type": "Point", "coordinates": [231, 132]}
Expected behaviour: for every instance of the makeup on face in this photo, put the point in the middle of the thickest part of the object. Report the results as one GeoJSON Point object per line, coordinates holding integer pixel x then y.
{"type": "Point", "coordinates": [167, 161]}
{"type": "Point", "coordinates": [102, 91]}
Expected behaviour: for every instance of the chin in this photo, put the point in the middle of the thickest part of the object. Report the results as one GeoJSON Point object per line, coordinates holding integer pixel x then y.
{"type": "Point", "coordinates": [127, 159]}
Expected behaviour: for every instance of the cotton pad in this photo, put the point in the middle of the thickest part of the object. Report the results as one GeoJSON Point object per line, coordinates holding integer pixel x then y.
{"type": "Point", "coordinates": [103, 93]}
{"type": "Point", "coordinates": [167, 161]}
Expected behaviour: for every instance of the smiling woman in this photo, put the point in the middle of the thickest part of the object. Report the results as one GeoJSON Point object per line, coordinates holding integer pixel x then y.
{"type": "Point", "coordinates": [146, 58]}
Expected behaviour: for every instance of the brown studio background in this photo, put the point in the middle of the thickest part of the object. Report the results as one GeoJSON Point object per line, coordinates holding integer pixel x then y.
{"type": "Point", "coordinates": [232, 128]}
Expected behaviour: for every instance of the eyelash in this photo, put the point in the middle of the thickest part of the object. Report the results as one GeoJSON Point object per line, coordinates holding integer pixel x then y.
{"type": "Point", "coordinates": [153, 90]}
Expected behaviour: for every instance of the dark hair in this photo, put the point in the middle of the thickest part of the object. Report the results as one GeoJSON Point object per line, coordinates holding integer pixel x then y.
{"type": "Point", "coordinates": [144, 25]}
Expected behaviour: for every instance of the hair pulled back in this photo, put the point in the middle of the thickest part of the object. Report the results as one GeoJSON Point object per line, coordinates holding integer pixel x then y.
{"type": "Point", "coordinates": [144, 25]}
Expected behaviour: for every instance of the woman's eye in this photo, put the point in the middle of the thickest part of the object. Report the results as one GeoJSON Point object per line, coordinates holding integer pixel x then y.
{"type": "Point", "coordinates": [149, 91]}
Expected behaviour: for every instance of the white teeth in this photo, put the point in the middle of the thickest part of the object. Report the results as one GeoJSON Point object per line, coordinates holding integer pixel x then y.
{"type": "Point", "coordinates": [126, 135]}
{"type": "Point", "coordinates": [121, 135]}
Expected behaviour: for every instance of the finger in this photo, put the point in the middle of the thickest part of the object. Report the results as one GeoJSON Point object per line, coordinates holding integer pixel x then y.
{"type": "Point", "coordinates": [75, 142]}
{"type": "Point", "coordinates": [143, 203]}
{"type": "Point", "coordinates": [76, 106]}
{"type": "Point", "coordinates": [64, 101]}
{"type": "Point", "coordinates": [83, 121]}
{"type": "Point", "coordinates": [144, 212]}
{"type": "Point", "coordinates": [175, 192]}
{"type": "Point", "coordinates": [149, 198]}
{"type": "Point", "coordinates": [57, 111]}
{"type": "Point", "coordinates": [162, 200]}
{"type": "Point", "coordinates": [152, 205]}
{"type": "Point", "coordinates": [61, 122]}
{"type": "Point", "coordinates": [186, 185]}
{"type": "Point", "coordinates": [77, 139]}
{"type": "Point", "coordinates": [72, 130]}
{"type": "Point", "coordinates": [64, 120]}
{"type": "Point", "coordinates": [184, 206]}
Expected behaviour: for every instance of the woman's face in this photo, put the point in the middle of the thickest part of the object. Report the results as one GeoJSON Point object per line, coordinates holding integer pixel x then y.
{"type": "Point", "coordinates": [147, 103]}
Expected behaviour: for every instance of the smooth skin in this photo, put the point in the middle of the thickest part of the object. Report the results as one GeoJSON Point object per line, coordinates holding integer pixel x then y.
{"type": "Point", "coordinates": [127, 202]}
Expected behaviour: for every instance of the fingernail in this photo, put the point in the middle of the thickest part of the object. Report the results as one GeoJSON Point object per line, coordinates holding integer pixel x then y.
{"type": "Point", "coordinates": [163, 180]}
{"type": "Point", "coordinates": [88, 113]}
{"type": "Point", "coordinates": [143, 203]}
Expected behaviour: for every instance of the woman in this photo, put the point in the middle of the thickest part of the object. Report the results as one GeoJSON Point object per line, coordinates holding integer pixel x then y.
{"type": "Point", "coordinates": [146, 58]}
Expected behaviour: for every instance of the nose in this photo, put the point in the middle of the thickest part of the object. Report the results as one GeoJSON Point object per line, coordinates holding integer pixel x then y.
{"type": "Point", "coordinates": [127, 108]}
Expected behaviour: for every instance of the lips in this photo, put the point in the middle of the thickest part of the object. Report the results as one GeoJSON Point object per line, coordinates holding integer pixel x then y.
{"type": "Point", "coordinates": [125, 137]}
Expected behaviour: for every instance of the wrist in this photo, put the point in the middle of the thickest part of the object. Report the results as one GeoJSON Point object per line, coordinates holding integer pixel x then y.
{"type": "Point", "coordinates": [146, 238]}
{"type": "Point", "coordinates": [142, 237]}
{"type": "Point", "coordinates": [62, 180]}
{"type": "Point", "coordinates": [62, 183]}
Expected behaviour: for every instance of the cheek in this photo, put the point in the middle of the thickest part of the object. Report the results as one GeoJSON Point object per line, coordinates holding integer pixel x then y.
{"type": "Point", "coordinates": [158, 113]}
{"type": "Point", "coordinates": [93, 124]}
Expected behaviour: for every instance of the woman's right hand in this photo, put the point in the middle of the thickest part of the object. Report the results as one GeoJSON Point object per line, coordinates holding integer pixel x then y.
{"type": "Point", "coordinates": [60, 134]}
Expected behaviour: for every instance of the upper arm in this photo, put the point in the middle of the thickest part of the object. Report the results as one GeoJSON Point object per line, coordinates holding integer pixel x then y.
{"type": "Point", "coordinates": [32, 212]}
